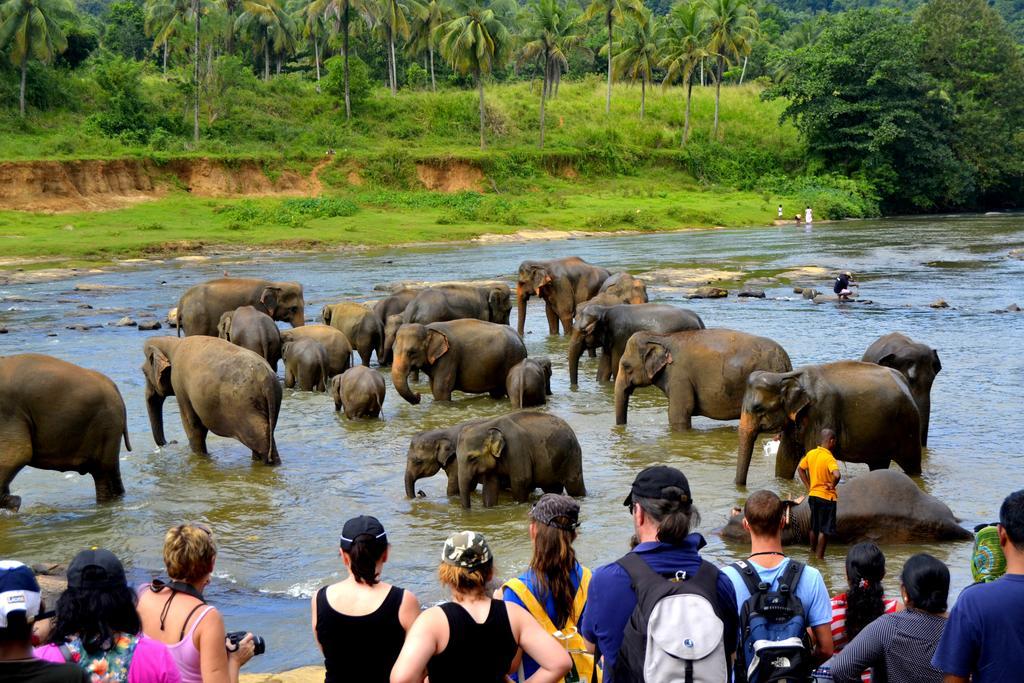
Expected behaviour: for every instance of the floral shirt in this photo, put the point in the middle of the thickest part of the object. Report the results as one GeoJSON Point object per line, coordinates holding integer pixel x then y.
{"type": "Point", "coordinates": [110, 666]}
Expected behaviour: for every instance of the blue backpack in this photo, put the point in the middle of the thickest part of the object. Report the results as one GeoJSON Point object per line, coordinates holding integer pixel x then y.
{"type": "Point", "coordinates": [774, 645]}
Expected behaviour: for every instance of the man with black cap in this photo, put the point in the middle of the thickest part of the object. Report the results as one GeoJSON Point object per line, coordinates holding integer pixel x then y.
{"type": "Point", "coordinates": [664, 516]}
{"type": "Point", "coordinates": [20, 604]}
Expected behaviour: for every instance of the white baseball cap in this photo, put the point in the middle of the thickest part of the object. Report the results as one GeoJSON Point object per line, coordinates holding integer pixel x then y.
{"type": "Point", "coordinates": [19, 591]}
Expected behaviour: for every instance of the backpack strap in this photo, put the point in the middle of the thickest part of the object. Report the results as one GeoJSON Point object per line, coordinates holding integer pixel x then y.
{"type": "Point", "coordinates": [791, 577]}
{"type": "Point", "coordinates": [750, 577]}
{"type": "Point", "coordinates": [533, 606]}
{"type": "Point", "coordinates": [582, 590]}
{"type": "Point", "coordinates": [637, 569]}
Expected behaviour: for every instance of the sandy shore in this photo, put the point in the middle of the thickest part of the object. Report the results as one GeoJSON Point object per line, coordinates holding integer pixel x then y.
{"type": "Point", "coordinates": [306, 674]}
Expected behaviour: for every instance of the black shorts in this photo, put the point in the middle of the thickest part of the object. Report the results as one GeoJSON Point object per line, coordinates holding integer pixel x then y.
{"type": "Point", "coordinates": [823, 515]}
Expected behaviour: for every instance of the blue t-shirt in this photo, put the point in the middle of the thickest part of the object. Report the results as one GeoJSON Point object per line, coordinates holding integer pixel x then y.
{"type": "Point", "coordinates": [530, 579]}
{"type": "Point", "coordinates": [611, 600]}
{"type": "Point", "coordinates": [811, 590]}
{"type": "Point", "coordinates": [984, 637]}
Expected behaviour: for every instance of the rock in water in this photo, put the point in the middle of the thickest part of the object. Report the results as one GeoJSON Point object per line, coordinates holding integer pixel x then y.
{"type": "Point", "coordinates": [147, 325]}
{"type": "Point", "coordinates": [751, 293]}
{"type": "Point", "coordinates": [125, 322]}
{"type": "Point", "coordinates": [708, 293]}
{"type": "Point", "coordinates": [809, 292]}
{"type": "Point", "coordinates": [939, 303]}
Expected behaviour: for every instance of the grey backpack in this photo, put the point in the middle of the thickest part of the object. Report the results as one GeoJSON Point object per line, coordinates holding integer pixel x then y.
{"type": "Point", "coordinates": [676, 634]}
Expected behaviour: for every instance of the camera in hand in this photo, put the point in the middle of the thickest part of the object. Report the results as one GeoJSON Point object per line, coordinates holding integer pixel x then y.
{"type": "Point", "coordinates": [235, 637]}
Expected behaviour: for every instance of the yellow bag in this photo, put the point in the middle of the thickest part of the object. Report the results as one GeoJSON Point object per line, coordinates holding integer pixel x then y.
{"type": "Point", "coordinates": [568, 636]}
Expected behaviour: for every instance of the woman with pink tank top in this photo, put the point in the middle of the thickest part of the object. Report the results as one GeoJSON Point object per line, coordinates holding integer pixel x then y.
{"type": "Point", "coordinates": [176, 614]}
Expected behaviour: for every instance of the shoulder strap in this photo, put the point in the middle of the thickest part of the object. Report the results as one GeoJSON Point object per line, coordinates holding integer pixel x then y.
{"type": "Point", "coordinates": [581, 596]}
{"type": "Point", "coordinates": [791, 576]}
{"type": "Point", "coordinates": [637, 569]}
{"type": "Point", "coordinates": [522, 592]}
{"type": "Point", "coordinates": [750, 577]}
{"type": "Point", "coordinates": [65, 652]}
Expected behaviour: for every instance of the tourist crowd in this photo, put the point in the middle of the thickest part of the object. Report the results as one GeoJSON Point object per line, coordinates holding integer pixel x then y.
{"type": "Point", "coordinates": [659, 613]}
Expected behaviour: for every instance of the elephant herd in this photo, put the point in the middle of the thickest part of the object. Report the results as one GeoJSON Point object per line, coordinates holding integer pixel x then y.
{"type": "Point", "coordinates": [224, 375]}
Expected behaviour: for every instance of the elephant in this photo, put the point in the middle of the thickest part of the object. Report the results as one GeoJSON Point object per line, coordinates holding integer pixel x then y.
{"type": "Point", "coordinates": [434, 450]}
{"type": "Point", "coordinates": [55, 415]}
{"type": "Point", "coordinates": [918, 363]}
{"type": "Point", "coordinates": [334, 341]}
{"type": "Point", "coordinates": [468, 355]}
{"type": "Point", "coordinates": [624, 288]}
{"type": "Point", "coordinates": [869, 407]}
{"type": "Point", "coordinates": [530, 449]}
{"type": "Point", "coordinates": [201, 306]}
{"type": "Point", "coordinates": [360, 391]}
{"type": "Point", "coordinates": [360, 326]}
{"type": "Point", "coordinates": [254, 330]}
{"type": "Point", "coordinates": [702, 372]}
{"type": "Point", "coordinates": [529, 382]}
{"type": "Point", "coordinates": [610, 327]}
{"type": "Point", "coordinates": [884, 506]}
{"type": "Point", "coordinates": [387, 307]}
{"type": "Point", "coordinates": [490, 303]}
{"type": "Point", "coordinates": [305, 365]}
{"type": "Point", "coordinates": [562, 283]}
{"type": "Point", "coordinates": [220, 388]}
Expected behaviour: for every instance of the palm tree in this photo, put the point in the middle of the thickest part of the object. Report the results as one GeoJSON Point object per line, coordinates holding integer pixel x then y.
{"type": "Point", "coordinates": [392, 17]}
{"type": "Point", "coordinates": [551, 34]}
{"type": "Point", "coordinates": [682, 49]}
{"type": "Point", "coordinates": [427, 16]}
{"type": "Point", "coordinates": [637, 53]}
{"type": "Point", "coordinates": [614, 12]}
{"type": "Point", "coordinates": [165, 20]}
{"type": "Point", "coordinates": [732, 25]}
{"type": "Point", "coordinates": [269, 28]}
{"type": "Point", "coordinates": [342, 11]}
{"type": "Point", "coordinates": [474, 42]}
{"type": "Point", "coordinates": [32, 29]}
{"type": "Point", "coordinates": [314, 26]}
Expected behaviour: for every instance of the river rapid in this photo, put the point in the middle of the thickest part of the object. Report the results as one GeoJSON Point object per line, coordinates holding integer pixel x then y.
{"type": "Point", "coordinates": [277, 528]}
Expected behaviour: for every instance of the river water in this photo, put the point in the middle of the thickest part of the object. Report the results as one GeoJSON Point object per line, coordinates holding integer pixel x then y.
{"type": "Point", "coordinates": [278, 528]}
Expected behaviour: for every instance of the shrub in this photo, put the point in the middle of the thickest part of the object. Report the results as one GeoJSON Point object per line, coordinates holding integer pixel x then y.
{"type": "Point", "coordinates": [359, 85]}
{"type": "Point", "coordinates": [416, 77]}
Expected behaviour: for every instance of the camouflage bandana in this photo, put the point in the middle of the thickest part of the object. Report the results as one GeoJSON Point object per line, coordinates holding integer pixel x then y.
{"type": "Point", "coordinates": [466, 549]}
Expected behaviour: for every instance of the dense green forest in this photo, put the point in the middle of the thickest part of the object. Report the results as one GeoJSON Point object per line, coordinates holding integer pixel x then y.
{"type": "Point", "coordinates": [918, 105]}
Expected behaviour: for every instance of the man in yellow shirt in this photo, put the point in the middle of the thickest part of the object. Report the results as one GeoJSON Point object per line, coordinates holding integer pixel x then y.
{"type": "Point", "coordinates": [819, 472]}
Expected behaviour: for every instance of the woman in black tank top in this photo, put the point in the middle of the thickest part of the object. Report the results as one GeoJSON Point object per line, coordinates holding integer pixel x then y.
{"type": "Point", "coordinates": [360, 623]}
{"type": "Point", "coordinates": [474, 637]}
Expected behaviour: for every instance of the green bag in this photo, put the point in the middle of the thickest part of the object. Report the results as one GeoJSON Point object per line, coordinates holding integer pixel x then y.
{"type": "Point", "coordinates": [987, 560]}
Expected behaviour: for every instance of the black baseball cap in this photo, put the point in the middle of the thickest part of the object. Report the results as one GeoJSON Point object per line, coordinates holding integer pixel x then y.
{"type": "Point", "coordinates": [652, 482]}
{"type": "Point", "coordinates": [96, 568]}
{"type": "Point", "coordinates": [364, 525]}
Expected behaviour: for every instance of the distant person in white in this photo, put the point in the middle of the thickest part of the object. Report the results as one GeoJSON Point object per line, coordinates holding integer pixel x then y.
{"type": "Point", "coordinates": [808, 218]}
{"type": "Point", "coordinates": [780, 210]}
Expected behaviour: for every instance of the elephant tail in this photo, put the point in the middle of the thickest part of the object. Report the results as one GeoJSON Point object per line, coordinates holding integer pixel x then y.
{"type": "Point", "coordinates": [273, 406]}
{"type": "Point", "coordinates": [177, 321]}
{"type": "Point", "coordinates": [127, 443]}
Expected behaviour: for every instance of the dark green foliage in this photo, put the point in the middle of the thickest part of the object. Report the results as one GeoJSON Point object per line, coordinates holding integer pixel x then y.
{"type": "Point", "coordinates": [294, 213]}
{"type": "Point", "coordinates": [967, 47]}
{"type": "Point", "coordinates": [82, 42]}
{"type": "Point", "coordinates": [416, 77]}
{"type": "Point", "coordinates": [125, 113]}
{"type": "Point", "coordinates": [124, 30]}
{"type": "Point", "coordinates": [359, 84]}
{"type": "Point", "coordinates": [865, 109]}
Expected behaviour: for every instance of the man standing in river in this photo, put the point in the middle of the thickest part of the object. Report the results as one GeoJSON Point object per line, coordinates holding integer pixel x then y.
{"type": "Point", "coordinates": [819, 472]}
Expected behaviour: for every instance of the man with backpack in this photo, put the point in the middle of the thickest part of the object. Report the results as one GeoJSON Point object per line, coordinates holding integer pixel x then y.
{"type": "Point", "coordinates": [779, 600]}
{"type": "Point", "coordinates": [679, 623]}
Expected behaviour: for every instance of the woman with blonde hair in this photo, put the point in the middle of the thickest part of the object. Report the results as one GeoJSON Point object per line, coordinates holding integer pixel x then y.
{"type": "Point", "coordinates": [175, 612]}
{"type": "Point", "coordinates": [474, 637]}
{"type": "Point", "coordinates": [554, 587]}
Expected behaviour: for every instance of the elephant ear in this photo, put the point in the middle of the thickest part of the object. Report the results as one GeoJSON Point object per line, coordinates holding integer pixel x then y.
{"type": "Point", "coordinates": [889, 361]}
{"type": "Point", "coordinates": [158, 368]}
{"type": "Point", "coordinates": [325, 314]}
{"type": "Point", "coordinates": [224, 326]}
{"type": "Point", "coordinates": [794, 397]}
{"type": "Point", "coordinates": [494, 443]}
{"type": "Point", "coordinates": [936, 365]}
{"type": "Point", "coordinates": [495, 300]}
{"type": "Point", "coordinates": [269, 299]}
{"type": "Point", "coordinates": [335, 386]}
{"type": "Point", "coordinates": [656, 357]}
{"type": "Point", "coordinates": [444, 452]}
{"type": "Point", "coordinates": [437, 346]}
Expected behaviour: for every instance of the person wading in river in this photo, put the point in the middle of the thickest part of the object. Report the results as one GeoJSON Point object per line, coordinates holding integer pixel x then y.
{"type": "Point", "coordinates": [819, 472]}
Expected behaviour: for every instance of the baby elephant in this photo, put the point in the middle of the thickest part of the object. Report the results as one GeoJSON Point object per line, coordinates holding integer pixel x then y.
{"type": "Point", "coordinates": [529, 382]}
{"type": "Point", "coordinates": [305, 364]}
{"type": "Point", "coordinates": [360, 391]}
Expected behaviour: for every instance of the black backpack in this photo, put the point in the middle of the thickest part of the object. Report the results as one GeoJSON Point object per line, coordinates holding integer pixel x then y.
{"type": "Point", "coordinates": [774, 645]}
{"type": "Point", "coordinates": [676, 631]}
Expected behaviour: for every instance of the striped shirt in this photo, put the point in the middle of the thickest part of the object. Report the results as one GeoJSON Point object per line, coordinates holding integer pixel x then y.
{"type": "Point", "coordinates": [897, 647]}
{"type": "Point", "coordinates": [839, 624]}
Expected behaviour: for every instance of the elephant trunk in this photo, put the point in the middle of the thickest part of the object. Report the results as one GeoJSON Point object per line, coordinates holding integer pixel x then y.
{"type": "Point", "coordinates": [299, 319]}
{"type": "Point", "coordinates": [748, 432]}
{"type": "Point", "coordinates": [575, 351]}
{"type": "Point", "coordinates": [623, 390]}
{"type": "Point", "coordinates": [521, 296]}
{"type": "Point", "coordinates": [410, 483]}
{"type": "Point", "coordinates": [400, 378]}
{"type": "Point", "coordinates": [924, 405]}
{"type": "Point", "coordinates": [465, 486]}
{"type": "Point", "coordinates": [155, 407]}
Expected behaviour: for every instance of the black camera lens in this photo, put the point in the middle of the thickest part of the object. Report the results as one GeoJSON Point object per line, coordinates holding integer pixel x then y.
{"type": "Point", "coordinates": [259, 644]}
